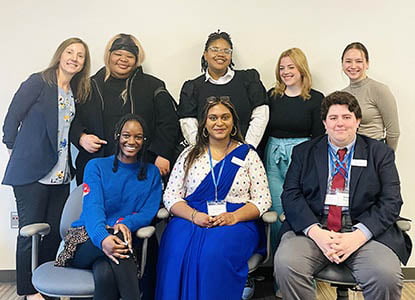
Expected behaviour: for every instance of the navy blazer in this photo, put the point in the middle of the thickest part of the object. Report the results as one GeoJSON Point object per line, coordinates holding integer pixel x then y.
{"type": "Point", "coordinates": [375, 198]}
{"type": "Point", "coordinates": [31, 130]}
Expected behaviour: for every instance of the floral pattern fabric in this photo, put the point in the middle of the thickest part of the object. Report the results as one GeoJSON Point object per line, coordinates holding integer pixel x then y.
{"type": "Point", "coordinates": [60, 173]}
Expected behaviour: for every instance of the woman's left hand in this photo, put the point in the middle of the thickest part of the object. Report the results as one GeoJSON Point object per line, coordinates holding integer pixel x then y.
{"type": "Point", "coordinates": [125, 232]}
{"type": "Point", "coordinates": [163, 165]}
{"type": "Point", "coordinates": [227, 218]}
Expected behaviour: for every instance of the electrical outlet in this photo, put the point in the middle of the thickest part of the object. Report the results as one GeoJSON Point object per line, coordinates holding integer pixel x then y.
{"type": "Point", "coordinates": [14, 220]}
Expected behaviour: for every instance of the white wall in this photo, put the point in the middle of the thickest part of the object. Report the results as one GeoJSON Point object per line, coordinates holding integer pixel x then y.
{"type": "Point", "coordinates": [173, 34]}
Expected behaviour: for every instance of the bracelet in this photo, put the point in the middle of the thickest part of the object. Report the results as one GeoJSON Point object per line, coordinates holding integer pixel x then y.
{"type": "Point", "coordinates": [194, 214]}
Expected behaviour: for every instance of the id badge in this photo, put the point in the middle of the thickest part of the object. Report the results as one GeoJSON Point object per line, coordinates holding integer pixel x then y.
{"type": "Point", "coordinates": [342, 199]}
{"type": "Point", "coordinates": [215, 208]}
{"type": "Point", "coordinates": [338, 199]}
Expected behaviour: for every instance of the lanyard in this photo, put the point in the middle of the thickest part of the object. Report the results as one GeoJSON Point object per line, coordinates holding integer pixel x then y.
{"type": "Point", "coordinates": [337, 165]}
{"type": "Point", "coordinates": [212, 171]}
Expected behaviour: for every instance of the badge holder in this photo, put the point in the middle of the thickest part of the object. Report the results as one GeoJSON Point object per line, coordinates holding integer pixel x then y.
{"type": "Point", "coordinates": [338, 198]}
{"type": "Point", "coordinates": [216, 208]}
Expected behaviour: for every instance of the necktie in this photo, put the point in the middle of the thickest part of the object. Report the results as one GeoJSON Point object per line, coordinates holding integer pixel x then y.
{"type": "Point", "coordinates": [334, 218]}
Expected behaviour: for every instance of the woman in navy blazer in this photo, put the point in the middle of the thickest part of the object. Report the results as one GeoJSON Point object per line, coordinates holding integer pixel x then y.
{"type": "Point", "coordinates": [36, 130]}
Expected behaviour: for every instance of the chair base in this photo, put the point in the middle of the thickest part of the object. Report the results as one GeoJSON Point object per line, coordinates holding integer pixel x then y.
{"type": "Point", "coordinates": [340, 277]}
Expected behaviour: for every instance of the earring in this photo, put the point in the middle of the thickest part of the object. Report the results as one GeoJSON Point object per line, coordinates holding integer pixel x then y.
{"type": "Point", "coordinates": [234, 131]}
{"type": "Point", "coordinates": [205, 133]}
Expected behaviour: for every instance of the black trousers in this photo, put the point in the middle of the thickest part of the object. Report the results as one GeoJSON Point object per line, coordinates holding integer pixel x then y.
{"type": "Point", "coordinates": [36, 203]}
{"type": "Point", "coordinates": [112, 281]}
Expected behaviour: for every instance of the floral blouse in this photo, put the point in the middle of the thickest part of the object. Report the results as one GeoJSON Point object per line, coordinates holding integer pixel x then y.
{"type": "Point", "coordinates": [60, 173]}
{"type": "Point", "coordinates": [250, 183]}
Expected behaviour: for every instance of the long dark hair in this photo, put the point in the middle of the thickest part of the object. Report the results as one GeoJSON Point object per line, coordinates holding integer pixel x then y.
{"type": "Point", "coordinates": [211, 38]}
{"type": "Point", "coordinates": [202, 141]}
{"type": "Point", "coordinates": [141, 155]}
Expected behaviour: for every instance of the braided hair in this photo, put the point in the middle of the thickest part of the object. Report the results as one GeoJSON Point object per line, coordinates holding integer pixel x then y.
{"type": "Point", "coordinates": [214, 36]}
{"type": "Point", "coordinates": [141, 155]}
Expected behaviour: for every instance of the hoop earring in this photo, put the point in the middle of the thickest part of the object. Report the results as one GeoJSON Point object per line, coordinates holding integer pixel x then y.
{"type": "Point", "coordinates": [205, 133]}
{"type": "Point", "coordinates": [234, 129]}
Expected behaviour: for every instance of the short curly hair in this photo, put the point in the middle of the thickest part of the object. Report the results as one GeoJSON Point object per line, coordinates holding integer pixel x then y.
{"type": "Point", "coordinates": [342, 98]}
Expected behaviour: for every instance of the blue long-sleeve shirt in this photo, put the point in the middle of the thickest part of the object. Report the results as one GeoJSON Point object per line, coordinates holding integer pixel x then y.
{"type": "Point", "coordinates": [110, 197]}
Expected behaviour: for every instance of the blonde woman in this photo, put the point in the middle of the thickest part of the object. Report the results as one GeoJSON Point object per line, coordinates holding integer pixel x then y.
{"type": "Point", "coordinates": [294, 118]}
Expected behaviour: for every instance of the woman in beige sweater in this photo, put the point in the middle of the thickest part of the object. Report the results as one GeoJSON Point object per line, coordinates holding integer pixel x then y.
{"type": "Point", "coordinates": [380, 114]}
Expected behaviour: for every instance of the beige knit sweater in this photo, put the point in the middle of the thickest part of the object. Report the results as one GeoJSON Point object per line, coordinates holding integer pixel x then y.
{"type": "Point", "coordinates": [379, 110]}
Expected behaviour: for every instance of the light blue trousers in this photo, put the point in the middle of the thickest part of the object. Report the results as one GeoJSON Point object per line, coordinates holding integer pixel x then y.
{"type": "Point", "coordinates": [277, 159]}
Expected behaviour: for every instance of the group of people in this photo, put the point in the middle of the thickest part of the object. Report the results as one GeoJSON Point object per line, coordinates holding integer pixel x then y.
{"type": "Point", "coordinates": [127, 128]}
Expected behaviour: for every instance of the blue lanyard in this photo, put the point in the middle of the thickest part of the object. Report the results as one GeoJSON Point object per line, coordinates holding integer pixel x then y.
{"type": "Point", "coordinates": [212, 171]}
{"type": "Point", "coordinates": [337, 165]}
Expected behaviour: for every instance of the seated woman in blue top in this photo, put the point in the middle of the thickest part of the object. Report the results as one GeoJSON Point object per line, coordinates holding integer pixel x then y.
{"type": "Point", "coordinates": [216, 192]}
{"type": "Point", "coordinates": [121, 195]}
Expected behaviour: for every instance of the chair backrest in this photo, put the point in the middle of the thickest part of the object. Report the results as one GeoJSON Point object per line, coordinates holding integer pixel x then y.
{"type": "Point", "coordinates": [72, 210]}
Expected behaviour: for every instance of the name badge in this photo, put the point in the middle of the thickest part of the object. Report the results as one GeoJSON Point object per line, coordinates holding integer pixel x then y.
{"type": "Point", "coordinates": [215, 208]}
{"type": "Point", "coordinates": [238, 161]}
{"type": "Point", "coordinates": [359, 162]}
{"type": "Point", "coordinates": [338, 199]}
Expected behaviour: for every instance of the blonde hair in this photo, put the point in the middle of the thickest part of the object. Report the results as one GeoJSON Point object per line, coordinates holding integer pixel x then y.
{"type": "Point", "coordinates": [80, 81]}
{"type": "Point", "coordinates": [139, 59]}
{"type": "Point", "coordinates": [300, 61]}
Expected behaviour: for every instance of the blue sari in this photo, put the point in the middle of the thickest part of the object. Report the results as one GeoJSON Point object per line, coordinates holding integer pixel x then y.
{"type": "Point", "coordinates": [198, 263]}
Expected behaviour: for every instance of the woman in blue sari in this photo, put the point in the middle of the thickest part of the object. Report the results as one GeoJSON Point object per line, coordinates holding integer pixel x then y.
{"type": "Point", "coordinates": [216, 192]}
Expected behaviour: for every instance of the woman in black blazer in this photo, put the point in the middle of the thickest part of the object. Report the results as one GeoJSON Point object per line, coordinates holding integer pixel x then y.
{"type": "Point", "coordinates": [36, 133]}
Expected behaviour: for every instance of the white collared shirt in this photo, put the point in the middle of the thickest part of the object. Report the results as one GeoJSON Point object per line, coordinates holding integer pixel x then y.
{"type": "Point", "coordinates": [257, 125]}
{"type": "Point", "coordinates": [221, 80]}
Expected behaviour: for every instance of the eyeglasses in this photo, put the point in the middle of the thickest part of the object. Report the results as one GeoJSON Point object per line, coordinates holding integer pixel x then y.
{"type": "Point", "coordinates": [227, 51]}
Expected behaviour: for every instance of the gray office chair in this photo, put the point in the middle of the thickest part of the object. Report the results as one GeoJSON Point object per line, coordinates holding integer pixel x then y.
{"type": "Point", "coordinates": [257, 259]}
{"type": "Point", "coordinates": [69, 282]}
{"type": "Point", "coordinates": [340, 276]}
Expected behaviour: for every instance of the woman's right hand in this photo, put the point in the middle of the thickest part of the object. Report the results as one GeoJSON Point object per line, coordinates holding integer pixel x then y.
{"type": "Point", "coordinates": [114, 248]}
{"type": "Point", "coordinates": [203, 220]}
{"type": "Point", "coordinates": [91, 142]}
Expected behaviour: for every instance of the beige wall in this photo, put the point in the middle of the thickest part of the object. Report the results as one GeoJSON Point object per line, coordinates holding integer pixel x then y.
{"type": "Point", "coordinates": [173, 34]}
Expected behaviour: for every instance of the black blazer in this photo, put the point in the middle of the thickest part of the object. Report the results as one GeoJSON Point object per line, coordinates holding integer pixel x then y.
{"type": "Point", "coordinates": [375, 198]}
{"type": "Point", "coordinates": [31, 130]}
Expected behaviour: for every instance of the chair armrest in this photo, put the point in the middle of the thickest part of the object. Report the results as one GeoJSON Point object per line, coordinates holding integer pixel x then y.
{"type": "Point", "coordinates": [270, 217]}
{"type": "Point", "coordinates": [35, 228]}
{"type": "Point", "coordinates": [404, 224]}
{"type": "Point", "coordinates": [163, 214]}
{"type": "Point", "coordinates": [145, 232]}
